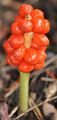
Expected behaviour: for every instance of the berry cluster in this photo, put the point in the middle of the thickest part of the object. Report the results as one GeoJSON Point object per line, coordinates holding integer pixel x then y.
{"type": "Point", "coordinates": [26, 46]}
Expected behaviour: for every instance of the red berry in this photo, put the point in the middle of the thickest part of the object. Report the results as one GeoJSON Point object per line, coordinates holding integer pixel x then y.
{"type": "Point", "coordinates": [7, 47]}
{"type": "Point", "coordinates": [46, 26]}
{"type": "Point", "coordinates": [16, 40]}
{"type": "Point", "coordinates": [42, 56]}
{"type": "Point", "coordinates": [43, 48]}
{"type": "Point", "coordinates": [40, 40]}
{"type": "Point", "coordinates": [25, 25]}
{"type": "Point", "coordinates": [37, 25]}
{"type": "Point", "coordinates": [12, 60]}
{"type": "Point", "coordinates": [31, 56]}
{"type": "Point", "coordinates": [37, 13]}
{"type": "Point", "coordinates": [15, 28]}
{"type": "Point", "coordinates": [18, 18]}
{"type": "Point", "coordinates": [25, 9]}
{"type": "Point", "coordinates": [35, 46]}
{"type": "Point", "coordinates": [25, 67]}
{"type": "Point", "coordinates": [39, 66]}
{"type": "Point", "coordinates": [19, 53]}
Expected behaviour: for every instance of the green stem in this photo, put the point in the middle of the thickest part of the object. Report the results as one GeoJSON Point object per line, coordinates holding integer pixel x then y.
{"type": "Point", "coordinates": [24, 88]}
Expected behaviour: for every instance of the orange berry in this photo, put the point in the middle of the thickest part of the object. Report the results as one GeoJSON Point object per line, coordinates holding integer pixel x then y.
{"type": "Point", "coordinates": [25, 67]}
{"type": "Point", "coordinates": [46, 26]}
{"type": "Point", "coordinates": [15, 28]}
{"type": "Point", "coordinates": [25, 9]}
{"type": "Point", "coordinates": [37, 25]}
{"type": "Point", "coordinates": [19, 53]}
{"type": "Point", "coordinates": [37, 13]}
{"type": "Point", "coordinates": [16, 40]}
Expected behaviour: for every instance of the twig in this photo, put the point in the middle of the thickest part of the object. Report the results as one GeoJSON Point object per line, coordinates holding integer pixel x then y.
{"type": "Point", "coordinates": [36, 111]}
{"type": "Point", "coordinates": [48, 79]}
{"type": "Point", "coordinates": [51, 60]}
{"type": "Point", "coordinates": [37, 105]}
{"type": "Point", "coordinates": [13, 111]}
{"type": "Point", "coordinates": [12, 89]}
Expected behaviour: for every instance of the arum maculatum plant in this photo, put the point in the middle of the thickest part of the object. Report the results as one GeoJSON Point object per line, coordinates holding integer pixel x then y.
{"type": "Point", "coordinates": [26, 46]}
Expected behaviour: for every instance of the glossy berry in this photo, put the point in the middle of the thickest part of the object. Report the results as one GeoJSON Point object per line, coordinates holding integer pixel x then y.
{"type": "Point", "coordinates": [38, 47]}
{"type": "Point", "coordinates": [40, 40]}
{"type": "Point", "coordinates": [42, 56]}
{"type": "Point", "coordinates": [39, 66]}
{"type": "Point", "coordinates": [37, 13]}
{"type": "Point", "coordinates": [12, 60]}
{"type": "Point", "coordinates": [7, 47]}
{"type": "Point", "coordinates": [18, 18]}
{"type": "Point", "coordinates": [37, 25]}
{"type": "Point", "coordinates": [25, 67]}
{"type": "Point", "coordinates": [19, 53]}
{"type": "Point", "coordinates": [15, 28]}
{"type": "Point", "coordinates": [16, 40]}
{"type": "Point", "coordinates": [43, 48]}
{"type": "Point", "coordinates": [25, 9]}
{"type": "Point", "coordinates": [46, 26]}
{"type": "Point", "coordinates": [31, 56]}
{"type": "Point", "coordinates": [25, 25]}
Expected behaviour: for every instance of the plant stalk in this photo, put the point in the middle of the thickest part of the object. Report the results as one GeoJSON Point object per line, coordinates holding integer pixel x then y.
{"type": "Point", "coordinates": [23, 91]}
